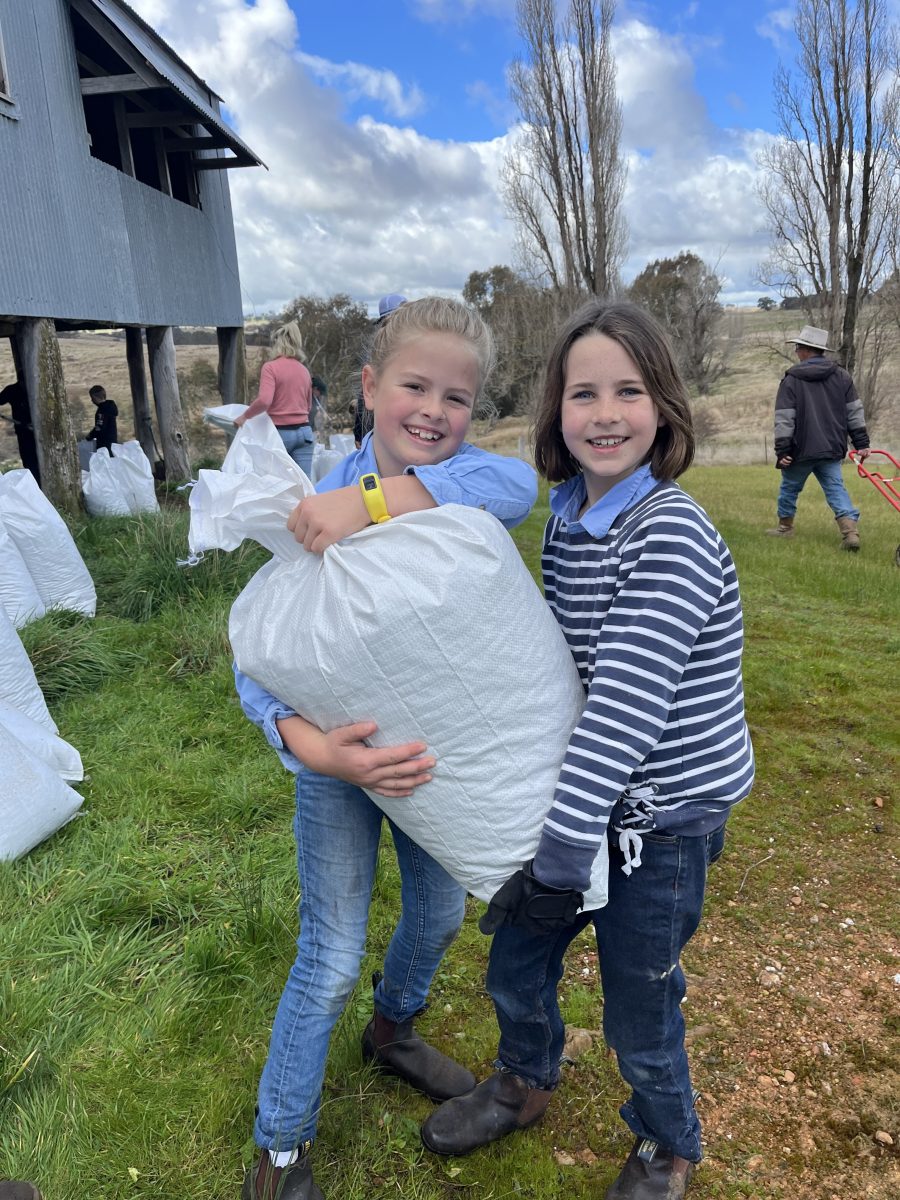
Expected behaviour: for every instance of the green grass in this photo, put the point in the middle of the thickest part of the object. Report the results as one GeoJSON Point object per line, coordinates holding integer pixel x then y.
{"type": "Point", "coordinates": [143, 948]}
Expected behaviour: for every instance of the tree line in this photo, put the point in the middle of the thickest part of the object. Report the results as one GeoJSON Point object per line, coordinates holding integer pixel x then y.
{"type": "Point", "coordinates": [830, 188]}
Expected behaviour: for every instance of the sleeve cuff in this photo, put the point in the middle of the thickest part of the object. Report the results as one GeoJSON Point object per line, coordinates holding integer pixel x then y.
{"type": "Point", "coordinates": [563, 865]}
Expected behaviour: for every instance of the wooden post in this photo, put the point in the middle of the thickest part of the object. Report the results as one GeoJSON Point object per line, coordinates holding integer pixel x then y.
{"type": "Point", "coordinates": [38, 351]}
{"type": "Point", "coordinates": [143, 420]}
{"type": "Point", "coordinates": [172, 432]}
{"type": "Point", "coordinates": [232, 379]}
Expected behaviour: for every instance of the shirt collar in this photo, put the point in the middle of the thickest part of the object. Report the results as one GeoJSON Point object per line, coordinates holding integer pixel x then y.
{"type": "Point", "coordinates": [567, 500]}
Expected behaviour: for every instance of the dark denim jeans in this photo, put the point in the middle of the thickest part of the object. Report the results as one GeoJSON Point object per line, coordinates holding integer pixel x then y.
{"type": "Point", "coordinates": [650, 917]}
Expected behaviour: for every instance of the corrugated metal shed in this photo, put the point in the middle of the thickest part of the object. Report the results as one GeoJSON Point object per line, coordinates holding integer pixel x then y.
{"type": "Point", "coordinates": [166, 63]}
{"type": "Point", "coordinates": [79, 239]}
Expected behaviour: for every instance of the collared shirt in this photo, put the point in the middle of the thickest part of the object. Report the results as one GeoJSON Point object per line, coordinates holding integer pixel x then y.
{"type": "Point", "coordinates": [505, 487]}
{"type": "Point", "coordinates": [567, 500]}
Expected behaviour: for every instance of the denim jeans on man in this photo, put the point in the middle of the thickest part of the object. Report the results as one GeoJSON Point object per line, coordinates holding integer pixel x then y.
{"type": "Point", "coordinates": [829, 474]}
{"type": "Point", "coordinates": [299, 444]}
{"type": "Point", "coordinates": [650, 917]}
{"type": "Point", "coordinates": [337, 828]}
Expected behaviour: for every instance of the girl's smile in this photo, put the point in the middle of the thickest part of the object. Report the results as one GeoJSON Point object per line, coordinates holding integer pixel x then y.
{"type": "Point", "coordinates": [608, 418]}
{"type": "Point", "coordinates": [422, 400]}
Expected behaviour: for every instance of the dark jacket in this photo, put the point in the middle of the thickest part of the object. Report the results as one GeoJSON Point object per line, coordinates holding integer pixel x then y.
{"type": "Point", "coordinates": [105, 430]}
{"type": "Point", "coordinates": [816, 410]}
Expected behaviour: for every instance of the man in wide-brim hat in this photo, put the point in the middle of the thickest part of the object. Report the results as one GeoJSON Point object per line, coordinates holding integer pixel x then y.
{"type": "Point", "coordinates": [816, 411]}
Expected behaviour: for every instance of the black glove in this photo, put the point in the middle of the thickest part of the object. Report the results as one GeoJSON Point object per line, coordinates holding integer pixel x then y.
{"type": "Point", "coordinates": [531, 905]}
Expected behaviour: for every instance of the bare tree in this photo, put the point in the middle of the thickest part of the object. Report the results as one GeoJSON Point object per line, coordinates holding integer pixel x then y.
{"type": "Point", "coordinates": [563, 180]}
{"type": "Point", "coordinates": [832, 179]}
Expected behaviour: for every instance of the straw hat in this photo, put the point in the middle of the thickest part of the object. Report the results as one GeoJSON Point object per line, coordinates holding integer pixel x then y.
{"type": "Point", "coordinates": [816, 339]}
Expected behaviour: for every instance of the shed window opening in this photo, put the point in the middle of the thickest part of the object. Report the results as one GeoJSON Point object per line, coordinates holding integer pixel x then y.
{"type": "Point", "coordinates": [133, 131]}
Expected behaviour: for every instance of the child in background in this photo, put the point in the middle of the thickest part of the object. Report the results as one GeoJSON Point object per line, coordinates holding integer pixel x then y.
{"type": "Point", "coordinates": [646, 593]}
{"type": "Point", "coordinates": [427, 367]}
{"type": "Point", "coordinates": [105, 432]}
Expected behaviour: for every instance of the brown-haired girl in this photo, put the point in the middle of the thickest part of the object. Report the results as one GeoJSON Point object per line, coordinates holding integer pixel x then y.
{"type": "Point", "coordinates": [646, 593]}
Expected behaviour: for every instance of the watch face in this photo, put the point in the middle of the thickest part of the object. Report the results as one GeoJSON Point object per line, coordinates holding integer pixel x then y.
{"type": "Point", "coordinates": [369, 483]}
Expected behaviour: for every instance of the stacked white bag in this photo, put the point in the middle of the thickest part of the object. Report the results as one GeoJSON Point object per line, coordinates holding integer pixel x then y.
{"type": "Point", "coordinates": [119, 484]}
{"type": "Point", "coordinates": [46, 550]}
{"type": "Point", "coordinates": [35, 800]}
{"type": "Point", "coordinates": [431, 626]}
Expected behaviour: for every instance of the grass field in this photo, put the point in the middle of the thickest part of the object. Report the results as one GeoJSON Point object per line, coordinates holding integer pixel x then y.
{"type": "Point", "coordinates": [143, 948]}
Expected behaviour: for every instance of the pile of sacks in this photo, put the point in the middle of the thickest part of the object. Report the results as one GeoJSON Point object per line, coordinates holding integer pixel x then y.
{"type": "Point", "coordinates": [40, 569]}
{"type": "Point", "coordinates": [119, 484]}
{"type": "Point", "coordinates": [431, 626]}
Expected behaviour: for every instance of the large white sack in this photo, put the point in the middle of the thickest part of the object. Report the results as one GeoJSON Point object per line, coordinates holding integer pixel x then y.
{"type": "Point", "coordinates": [34, 801]}
{"type": "Point", "coordinates": [136, 477]}
{"type": "Point", "coordinates": [103, 495]}
{"type": "Point", "coordinates": [431, 626]}
{"type": "Point", "coordinates": [18, 595]}
{"type": "Point", "coordinates": [19, 687]}
{"type": "Point", "coordinates": [324, 460]}
{"type": "Point", "coordinates": [344, 443]}
{"type": "Point", "coordinates": [120, 484]}
{"type": "Point", "coordinates": [222, 416]}
{"type": "Point", "coordinates": [45, 544]}
{"type": "Point", "coordinates": [41, 742]}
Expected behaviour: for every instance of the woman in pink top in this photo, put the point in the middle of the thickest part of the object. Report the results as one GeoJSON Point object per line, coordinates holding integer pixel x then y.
{"type": "Point", "coordinates": [285, 393]}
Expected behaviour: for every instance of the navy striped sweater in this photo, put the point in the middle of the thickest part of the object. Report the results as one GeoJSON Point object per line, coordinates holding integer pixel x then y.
{"type": "Point", "coordinates": [652, 615]}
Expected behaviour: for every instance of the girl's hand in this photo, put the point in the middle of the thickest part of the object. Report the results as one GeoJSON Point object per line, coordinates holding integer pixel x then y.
{"type": "Point", "coordinates": [239, 421]}
{"type": "Point", "coordinates": [319, 521]}
{"type": "Point", "coordinates": [392, 771]}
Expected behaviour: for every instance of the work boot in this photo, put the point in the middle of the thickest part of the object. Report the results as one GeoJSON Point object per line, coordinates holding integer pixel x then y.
{"type": "Point", "coordinates": [395, 1048]}
{"type": "Point", "coordinates": [651, 1173]}
{"type": "Point", "coordinates": [784, 528]}
{"type": "Point", "coordinates": [18, 1189]}
{"type": "Point", "coordinates": [849, 533]}
{"type": "Point", "coordinates": [500, 1105]}
{"type": "Point", "coordinates": [264, 1181]}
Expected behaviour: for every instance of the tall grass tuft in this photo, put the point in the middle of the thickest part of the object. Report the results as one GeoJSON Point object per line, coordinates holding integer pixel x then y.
{"type": "Point", "coordinates": [134, 562]}
{"type": "Point", "coordinates": [72, 654]}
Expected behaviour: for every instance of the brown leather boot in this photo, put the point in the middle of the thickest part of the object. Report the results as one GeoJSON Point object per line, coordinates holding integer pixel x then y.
{"type": "Point", "coordinates": [849, 533]}
{"type": "Point", "coordinates": [784, 528]}
{"type": "Point", "coordinates": [500, 1105]}
{"type": "Point", "coordinates": [651, 1173]}
{"type": "Point", "coordinates": [396, 1049]}
{"type": "Point", "coordinates": [264, 1181]}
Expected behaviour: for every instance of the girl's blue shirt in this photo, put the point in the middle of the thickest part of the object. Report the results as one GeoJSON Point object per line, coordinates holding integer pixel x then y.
{"type": "Point", "coordinates": [505, 487]}
{"type": "Point", "coordinates": [567, 499]}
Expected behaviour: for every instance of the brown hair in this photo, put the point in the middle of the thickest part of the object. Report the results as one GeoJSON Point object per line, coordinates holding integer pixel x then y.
{"type": "Point", "coordinates": [434, 314]}
{"type": "Point", "coordinates": [645, 341]}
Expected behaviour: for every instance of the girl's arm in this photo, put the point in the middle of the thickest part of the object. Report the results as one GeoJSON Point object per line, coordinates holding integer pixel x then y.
{"type": "Point", "coordinates": [506, 487]}
{"type": "Point", "coordinates": [393, 771]}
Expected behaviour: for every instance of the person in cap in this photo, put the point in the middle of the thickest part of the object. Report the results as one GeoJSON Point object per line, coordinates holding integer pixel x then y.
{"type": "Point", "coordinates": [816, 411]}
{"type": "Point", "coordinates": [362, 419]}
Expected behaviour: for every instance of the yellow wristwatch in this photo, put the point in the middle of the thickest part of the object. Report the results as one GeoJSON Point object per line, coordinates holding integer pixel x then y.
{"type": "Point", "coordinates": [373, 498]}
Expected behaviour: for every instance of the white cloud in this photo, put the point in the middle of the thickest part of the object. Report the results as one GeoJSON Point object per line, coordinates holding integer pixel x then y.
{"type": "Point", "coordinates": [372, 206]}
{"type": "Point", "coordinates": [777, 27]}
{"type": "Point", "coordinates": [361, 82]}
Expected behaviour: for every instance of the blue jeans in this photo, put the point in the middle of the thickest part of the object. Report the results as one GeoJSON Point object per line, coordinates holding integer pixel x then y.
{"type": "Point", "coordinates": [829, 474]}
{"type": "Point", "coordinates": [649, 919]}
{"type": "Point", "coordinates": [299, 444]}
{"type": "Point", "coordinates": [338, 828]}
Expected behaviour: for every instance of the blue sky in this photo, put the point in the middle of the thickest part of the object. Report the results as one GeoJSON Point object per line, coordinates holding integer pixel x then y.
{"type": "Point", "coordinates": [459, 62]}
{"type": "Point", "coordinates": [384, 126]}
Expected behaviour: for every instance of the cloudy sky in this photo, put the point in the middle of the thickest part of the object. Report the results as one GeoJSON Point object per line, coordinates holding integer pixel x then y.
{"type": "Point", "coordinates": [383, 125]}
